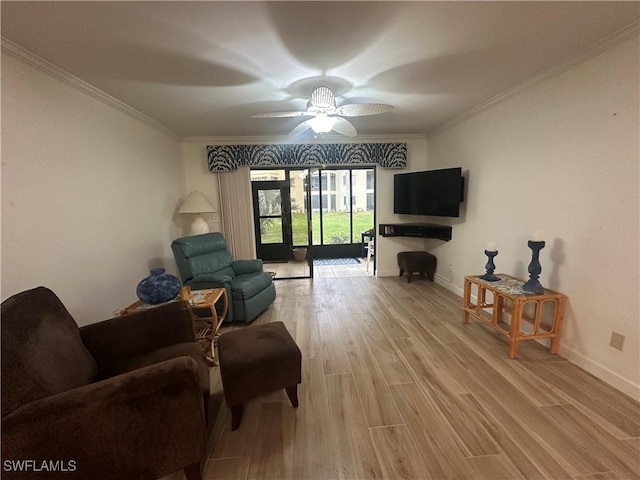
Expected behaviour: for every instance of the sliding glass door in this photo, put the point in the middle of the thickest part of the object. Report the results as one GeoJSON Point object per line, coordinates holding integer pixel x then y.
{"type": "Point", "coordinates": [306, 213]}
{"type": "Point", "coordinates": [343, 206]}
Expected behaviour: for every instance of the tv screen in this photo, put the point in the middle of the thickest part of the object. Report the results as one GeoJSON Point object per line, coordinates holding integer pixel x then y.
{"type": "Point", "coordinates": [432, 192]}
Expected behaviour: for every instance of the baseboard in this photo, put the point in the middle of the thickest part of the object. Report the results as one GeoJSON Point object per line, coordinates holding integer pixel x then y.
{"type": "Point", "coordinates": [387, 273]}
{"type": "Point", "coordinates": [603, 373]}
{"type": "Point", "coordinates": [440, 280]}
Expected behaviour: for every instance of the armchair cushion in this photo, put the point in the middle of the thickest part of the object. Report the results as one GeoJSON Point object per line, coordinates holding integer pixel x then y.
{"type": "Point", "coordinates": [247, 266]}
{"type": "Point", "coordinates": [124, 344]}
{"type": "Point", "coordinates": [217, 278]}
{"type": "Point", "coordinates": [40, 357]}
{"type": "Point", "coordinates": [202, 254]}
{"type": "Point", "coordinates": [122, 338]}
{"type": "Point", "coordinates": [246, 286]}
{"type": "Point", "coordinates": [190, 349]}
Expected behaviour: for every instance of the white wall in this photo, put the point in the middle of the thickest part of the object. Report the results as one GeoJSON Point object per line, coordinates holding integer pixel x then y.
{"type": "Point", "coordinates": [198, 177]}
{"type": "Point", "coordinates": [561, 156]}
{"type": "Point", "coordinates": [89, 195]}
{"type": "Point", "coordinates": [387, 248]}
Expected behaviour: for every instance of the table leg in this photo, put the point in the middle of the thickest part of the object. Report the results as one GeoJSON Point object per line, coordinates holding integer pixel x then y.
{"type": "Point", "coordinates": [514, 331]}
{"type": "Point", "coordinates": [225, 307]}
{"type": "Point", "coordinates": [214, 328]}
{"type": "Point", "coordinates": [498, 308]}
{"type": "Point", "coordinates": [467, 298]}
{"type": "Point", "coordinates": [554, 347]}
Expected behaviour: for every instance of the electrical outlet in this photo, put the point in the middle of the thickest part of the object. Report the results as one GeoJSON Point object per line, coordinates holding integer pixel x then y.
{"type": "Point", "coordinates": [617, 340]}
{"type": "Point", "coordinates": [450, 273]}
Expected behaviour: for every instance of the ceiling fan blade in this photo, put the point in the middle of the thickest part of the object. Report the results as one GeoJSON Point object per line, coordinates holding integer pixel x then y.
{"type": "Point", "coordinates": [323, 97]}
{"type": "Point", "coordinates": [279, 114]}
{"type": "Point", "coordinates": [344, 127]}
{"type": "Point", "coordinates": [300, 129]}
{"type": "Point", "coordinates": [362, 109]}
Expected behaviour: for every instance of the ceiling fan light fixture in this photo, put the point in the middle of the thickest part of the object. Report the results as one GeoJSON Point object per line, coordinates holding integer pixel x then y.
{"type": "Point", "coordinates": [321, 123]}
{"type": "Point", "coordinates": [326, 116]}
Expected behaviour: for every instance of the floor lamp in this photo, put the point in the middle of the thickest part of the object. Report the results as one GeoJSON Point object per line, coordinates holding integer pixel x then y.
{"type": "Point", "coordinates": [196, 203]}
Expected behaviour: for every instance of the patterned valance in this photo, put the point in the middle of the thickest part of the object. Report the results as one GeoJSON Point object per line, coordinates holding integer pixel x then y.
{"type": "Point", "coordinates": [225, 158]}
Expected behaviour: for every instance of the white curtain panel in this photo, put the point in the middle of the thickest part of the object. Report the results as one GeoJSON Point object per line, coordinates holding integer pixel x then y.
{"type": "Point", "coordinates": [237, 212]}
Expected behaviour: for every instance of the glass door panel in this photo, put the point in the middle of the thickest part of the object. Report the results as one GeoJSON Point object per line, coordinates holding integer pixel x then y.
{"type": "Point", "coordinates": [314, 181]}
{"type": "Point", "coordinates": [271, 230]}
{"type": "Point", "coordinates": [267, 175]}
{"type": "Point", "coordinates": [272, 220]}
{"type": "Point", "coordinates": [299, 213]}
{"type": "Point", "coordinates": [364, 202]}
{"type": "Point", "coordinates": [336, 211]}
{"type": "Point", "coordinates": [270, 202]}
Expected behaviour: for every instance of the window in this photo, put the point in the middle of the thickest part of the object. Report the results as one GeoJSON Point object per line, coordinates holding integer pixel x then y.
{"type": "Point", "coordinates": [262, 175]}
{"type": "Point", "coordinates": [370, 201]}
{"type": "Point", "coordinates": [370, 185]}
{"type": "Point", "coordinates": [332, 180]}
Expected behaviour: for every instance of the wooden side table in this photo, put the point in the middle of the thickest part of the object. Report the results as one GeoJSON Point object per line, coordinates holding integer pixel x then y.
{"type": "Point", "coordinates": [206, 328]}
{"type": "Point", "coordinates": [507, 296]}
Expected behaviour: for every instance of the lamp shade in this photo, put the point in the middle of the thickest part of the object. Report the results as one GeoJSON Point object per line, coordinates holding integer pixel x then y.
{"type": "Point", "coordinates": [196, 202]}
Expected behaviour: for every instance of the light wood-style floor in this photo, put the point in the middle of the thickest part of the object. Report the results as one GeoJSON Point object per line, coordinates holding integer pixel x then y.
{"type": "Point", "coordinates": [301, 269]}
{"type": "Point", "coordinates": [396, 387]}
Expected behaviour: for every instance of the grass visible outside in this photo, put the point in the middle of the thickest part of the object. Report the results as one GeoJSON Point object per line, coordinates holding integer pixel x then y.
{"type": "Point", "coordinates": [335, 226]}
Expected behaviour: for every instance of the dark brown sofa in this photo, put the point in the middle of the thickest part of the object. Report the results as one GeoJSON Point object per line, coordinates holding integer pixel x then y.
{"type": "Point", "coordinates": [120, 399]}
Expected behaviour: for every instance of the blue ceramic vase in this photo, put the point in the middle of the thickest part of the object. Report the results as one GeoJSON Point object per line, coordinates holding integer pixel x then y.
{"type": "Point", "coordinates": [159, 287]}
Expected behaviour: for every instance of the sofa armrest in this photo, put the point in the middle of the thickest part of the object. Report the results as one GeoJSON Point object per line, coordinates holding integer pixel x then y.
{"type": "Point", "coordinates": [144, 424]}
{"type": "Point", "coordinates": [138, 333]}
{"type": "Point", "coordinates": [242, 267]}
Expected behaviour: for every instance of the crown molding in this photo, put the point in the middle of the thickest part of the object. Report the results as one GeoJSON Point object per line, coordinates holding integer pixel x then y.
{"type": "Point", "coordinates": [580, 57]}
{"type": "Point", "coordinates": [285, 139]}
{"type": "Point", "coordinates": [16, 51]}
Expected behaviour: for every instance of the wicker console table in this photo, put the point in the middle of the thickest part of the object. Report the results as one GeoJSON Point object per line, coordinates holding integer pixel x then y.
{"type": "Point", "coordinates": [506, 295]}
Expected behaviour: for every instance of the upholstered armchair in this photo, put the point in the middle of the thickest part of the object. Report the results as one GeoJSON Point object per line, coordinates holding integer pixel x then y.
{"type": "Point", "coordinates": [204, 261]}
{"type": "Point", "coordinates": [119, 399]}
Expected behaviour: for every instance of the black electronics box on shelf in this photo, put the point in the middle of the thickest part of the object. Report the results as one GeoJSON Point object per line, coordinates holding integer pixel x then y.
{"type": "Point", "coordinates": [421, 230]}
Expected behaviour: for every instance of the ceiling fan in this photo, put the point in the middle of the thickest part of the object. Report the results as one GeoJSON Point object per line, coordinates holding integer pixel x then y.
{"type": "Point", "coordinates": [326, 116]}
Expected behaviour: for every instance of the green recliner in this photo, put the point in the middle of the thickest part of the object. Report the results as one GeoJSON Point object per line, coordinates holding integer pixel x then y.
{"type": "Point", "coordinates": [204, 261]}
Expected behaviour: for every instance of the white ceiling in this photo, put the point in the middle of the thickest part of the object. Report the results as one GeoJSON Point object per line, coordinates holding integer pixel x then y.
{"type": "Point", "coordinates": [203, 68]}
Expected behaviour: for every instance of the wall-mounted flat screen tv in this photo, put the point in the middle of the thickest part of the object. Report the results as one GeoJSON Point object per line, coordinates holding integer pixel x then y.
{"type": "Point", "coordinates": [432, 192]}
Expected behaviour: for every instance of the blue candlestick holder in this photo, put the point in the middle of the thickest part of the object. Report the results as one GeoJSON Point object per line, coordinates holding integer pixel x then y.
{"type": "Point", "coordinates": [533, 286]}
{"type": "Point", "coordinates": [490, 267]}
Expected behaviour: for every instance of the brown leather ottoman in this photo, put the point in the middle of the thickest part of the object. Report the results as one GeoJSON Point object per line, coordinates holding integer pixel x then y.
{"type": "Point", "coordinates": [422, 262]}
{"type": "Point", "coordinates": [255, 361]}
